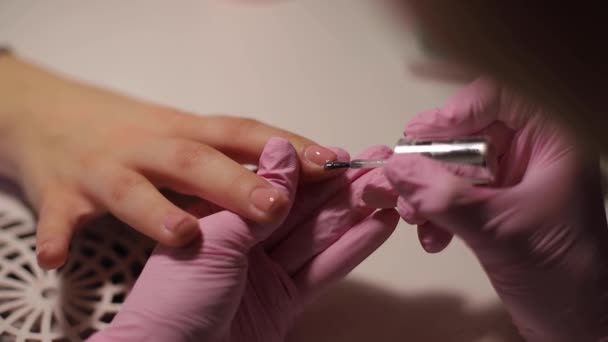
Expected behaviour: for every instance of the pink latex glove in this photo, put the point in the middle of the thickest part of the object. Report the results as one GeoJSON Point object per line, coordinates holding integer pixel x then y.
{"type": "Point", "coordinates": [539, 232]}
{"type": "Point", "coordinates": [232, 288]}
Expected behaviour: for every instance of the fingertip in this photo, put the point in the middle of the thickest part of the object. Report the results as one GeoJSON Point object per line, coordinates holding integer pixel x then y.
{"type": "Point", "coordinates": [341, 154]}
{"type": "Point", "coordinates": [317, 156]}
{"type": "Point", "coordinates": [430, 246]}
{"type": "Point", "coordinates": [408, 213]}
{"type": "Point", "coordinates": [314, 158]}
{"type": "Point", "coordinates": [389, 216]}
{"type": "Point", "coordinates": [423, 124]}
{"type": "Point", "coordinates": [386, 223]}
{"type": "Point", "coordinates": [181, 233]}
{"type": "Point", "coordinates": [278, 147]}
{"type": "Point", "coordinates": [280, 166]}
{"type": "Point", "coordinates": [433, 239]}
{"type": "Point", "coordinates": [272, 205]}
{"type": "Point", "coordinates": [379, 196]}
{"type": "Point", "coordinates": [312, 173]}
{"type": "Point", "coordinates": [52, 254]}
{"type": "Point", "coordinates": [399, 166]}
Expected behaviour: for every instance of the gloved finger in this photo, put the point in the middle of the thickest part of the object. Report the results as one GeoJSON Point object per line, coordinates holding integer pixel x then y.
{"type": "Point", "coordinates": [379, 193]}
{"type": "Point", "coordinates": [341, 155]}
{"type": "Point", "coordinates": [249, 138]}
{"type": "Point", "coordinates": [442, 198]}
{"type": "Point", "coordinates": [432, 238]}
{"type": "Point", "coordinates": [473, 173]}
{"type": "Point", "coordinates": [312, 197]}
{"type": "Point", "coordinates": [271, 301]}
{"type": "Point", "coordinates": [134, 200]}
{"type": "Point", "coordinates": [408, 212]}
{"type": "Point", "coordinates": [469, 111]}
{"type": "Point", "coordinates": [200, 170]}
{"type": "Point", "coordinates": [472, 109]}
{"type": "Point", "coordinates": [304, 197]}
{"type": "Point", "coordinates": [501, 137]}
{"type": "Point", "coordinates": [59, 216]}
{"type": "Point", "coordinates": [322, 228]}
{"type": "Point", "coordinates": [345, 254]}
{"type": "Point", "coordinates": [279, 165]}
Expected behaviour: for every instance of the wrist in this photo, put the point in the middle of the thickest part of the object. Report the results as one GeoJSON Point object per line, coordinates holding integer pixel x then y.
{"type": "Point", "coordinates": [19, 84]}
{"type": "Point", "coordinates": [8, 116]}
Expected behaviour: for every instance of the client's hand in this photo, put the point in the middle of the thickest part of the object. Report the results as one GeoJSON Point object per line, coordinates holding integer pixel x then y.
{"type": "Point", "coordinates": [248, 281]}
{"type": "Point", "coordinates": [80, 151]}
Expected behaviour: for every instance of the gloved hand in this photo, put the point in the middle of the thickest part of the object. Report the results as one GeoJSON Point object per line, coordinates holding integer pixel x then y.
{"type": "Point", "coordinates": [231, 287]}
{"type": "Point", "coordinates": [539, 231]}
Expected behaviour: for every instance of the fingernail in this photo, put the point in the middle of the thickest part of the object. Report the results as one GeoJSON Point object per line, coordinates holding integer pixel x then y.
{"type": "Point", "coordinates": [46, 257]}
{"type": "Point", "coordinates": [319, 155]}
{"type": "Point", "coordinates": [42, 250]}
{"type": "Point", "coordinates": [181, 225]}
{"type": "Point", "coordinates": [265, 199]}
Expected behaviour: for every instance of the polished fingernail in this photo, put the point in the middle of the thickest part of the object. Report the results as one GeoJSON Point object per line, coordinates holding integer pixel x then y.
{"type": "Point", "coordinates": [265, 199]}
{"type": "Point", "coordinates": [319, 155]}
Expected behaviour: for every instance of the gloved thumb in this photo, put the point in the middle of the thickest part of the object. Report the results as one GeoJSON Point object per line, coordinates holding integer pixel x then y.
{"type": "Point", "coordinates": [469, 111]}
{"type": "Point", "coordinates": [279, 165]}
{"type": "Point", "coordinates": [447, 201]}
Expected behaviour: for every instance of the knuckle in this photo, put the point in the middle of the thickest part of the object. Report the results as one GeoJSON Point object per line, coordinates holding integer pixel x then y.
{"type": "Point", "coordinates": [164, 112]}
{"type": "Point", "coordinates": [243, 126]}
{"type": "Point", "coordinates": [172, 119]}
{"type": "Point", "coordinates": [123, 184]}
{"type": "Point", "coordinates": [83, 212]}
{"type": "Point", "coordinates": [87, 161]}
{"type": "Point", "coordinates": [187, 156]}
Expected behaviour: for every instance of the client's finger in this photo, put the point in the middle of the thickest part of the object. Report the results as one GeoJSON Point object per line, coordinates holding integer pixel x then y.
{"type": "Point", "coordinates": [200, 170]}
{"type": "Point", "coordinates": [247, 138]}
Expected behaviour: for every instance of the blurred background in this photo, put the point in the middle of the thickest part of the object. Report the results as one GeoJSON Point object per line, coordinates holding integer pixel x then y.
{"type": "Point", "coordinates": [335, 71]}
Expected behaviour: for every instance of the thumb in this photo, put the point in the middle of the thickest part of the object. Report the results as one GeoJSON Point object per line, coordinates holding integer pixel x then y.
{"type": "Point", "coordinates": [469, 111]}
{"type": "Point", "coordinates": [442, 198]}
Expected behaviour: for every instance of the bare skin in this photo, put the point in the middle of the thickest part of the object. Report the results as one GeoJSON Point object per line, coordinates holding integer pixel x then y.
{"type": "Point", "coordinates": [79, 151]}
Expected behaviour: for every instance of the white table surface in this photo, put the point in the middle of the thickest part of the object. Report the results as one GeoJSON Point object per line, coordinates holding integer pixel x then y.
{"type": "Point", "coordinates": [329, 70]}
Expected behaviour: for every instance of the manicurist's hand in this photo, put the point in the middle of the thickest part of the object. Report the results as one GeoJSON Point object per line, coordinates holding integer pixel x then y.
{"type": "Point", "coordinates": [248, 282]}
{"type": "Point", "coordinates": [539, 230]}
